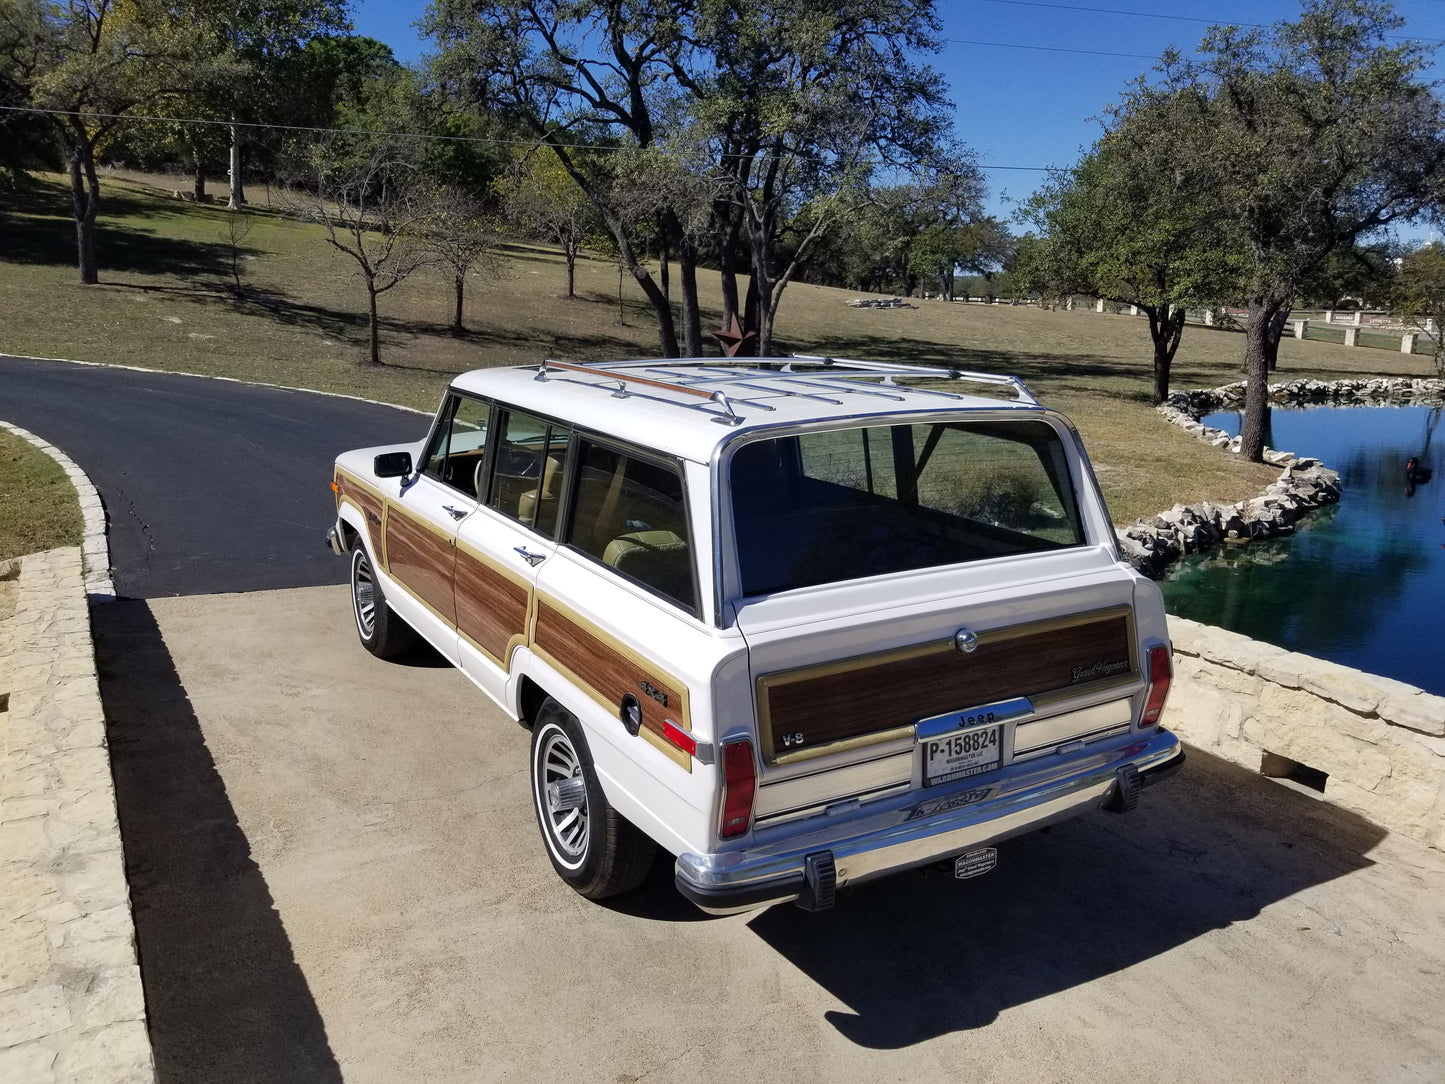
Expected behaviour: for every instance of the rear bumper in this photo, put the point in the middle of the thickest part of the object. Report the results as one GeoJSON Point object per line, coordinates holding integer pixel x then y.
{"type": "Point", "coordinates": [915, 834]}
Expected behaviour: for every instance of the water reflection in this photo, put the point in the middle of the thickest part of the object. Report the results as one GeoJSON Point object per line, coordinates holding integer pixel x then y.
{"type": "Point", "coordinates": [1362, 583]}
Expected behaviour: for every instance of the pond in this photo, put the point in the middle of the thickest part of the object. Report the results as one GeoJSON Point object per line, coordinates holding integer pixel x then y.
{"type": "Point", "coordinates": [1361, 583]}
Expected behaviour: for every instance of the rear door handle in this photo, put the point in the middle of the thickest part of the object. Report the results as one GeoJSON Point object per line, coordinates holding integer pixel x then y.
{"type": "Point", "coordinates": [533, 559]}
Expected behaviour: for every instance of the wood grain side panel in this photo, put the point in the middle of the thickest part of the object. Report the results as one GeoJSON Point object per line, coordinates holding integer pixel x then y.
{"type": "Point", "coordinates": [609, 671]}
{"type": "Point", "coordinates": [371, 503]}
{"type": "Point", "coordinates": [491, 606]}
{"type": "Point", "coordinates": [846, 702]}
{"type": "Point", "coordinates": [422, 559]}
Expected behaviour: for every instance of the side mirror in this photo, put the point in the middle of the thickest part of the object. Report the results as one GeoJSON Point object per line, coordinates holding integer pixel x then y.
{"type": "Point", "coordinates": [392, 465]}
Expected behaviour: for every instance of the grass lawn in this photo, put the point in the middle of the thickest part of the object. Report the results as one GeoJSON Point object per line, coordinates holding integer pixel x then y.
{"type": "Point", "coordinates": [38, 509]}
{"type": "Point", "coordinates": [163, 303]}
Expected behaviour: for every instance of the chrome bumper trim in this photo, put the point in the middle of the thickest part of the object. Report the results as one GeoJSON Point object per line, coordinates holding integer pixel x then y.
{"type": "Point", "coordinates": [873, 844]}
{"type": "Point", "coordinates": [333, 542]}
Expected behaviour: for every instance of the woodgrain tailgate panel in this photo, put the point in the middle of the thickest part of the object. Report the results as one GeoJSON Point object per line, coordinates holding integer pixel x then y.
{"type": "Point", "coordinates": [860, 699]}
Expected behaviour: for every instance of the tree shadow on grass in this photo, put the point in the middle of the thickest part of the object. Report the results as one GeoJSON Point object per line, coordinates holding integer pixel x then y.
{"type": "Point", "coordinates": [1214, 846]}
{"type": "Point", "coordinates": [225, 996]}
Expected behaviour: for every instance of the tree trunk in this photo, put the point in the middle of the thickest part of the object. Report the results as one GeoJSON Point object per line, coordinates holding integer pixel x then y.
{"type": "Point", "coordinates": [1256, 377]}
{"type": "Point", "coordinates": [457, 325]}
{"type": "Point", "coordinates": [691, 312]}
{"type": "Point", "coordinates": [1166, 327]}
{"type": "Point", "coordinates": [1276, 331]}
{"type": "Point", "coordinates": [85, 198]}
{"type": "Point", "coordinates": [375, 331]}
{"type": "Point", "coordinates": [752, 347]}
{"type": "Point", "coordinates": [198, 177]}
{"type": "Point", "coordinates": [571, 251]}
{"type": "Point", "coordinates": [238, 196]}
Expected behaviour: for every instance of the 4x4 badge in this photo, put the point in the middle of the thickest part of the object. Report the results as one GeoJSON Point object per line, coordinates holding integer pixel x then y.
{"type": "Point", "coordinates": [653, 691]}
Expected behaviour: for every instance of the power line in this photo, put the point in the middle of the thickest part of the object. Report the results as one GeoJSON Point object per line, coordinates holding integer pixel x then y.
{"type": "Point", "coordinates": [341, 131]}
{"type": "Point", "coordinates": [1171, 18]}
{"type": "Point", "coordinates": [273, 127]}
{"type": "Point", "coordinates": [1049, 49]}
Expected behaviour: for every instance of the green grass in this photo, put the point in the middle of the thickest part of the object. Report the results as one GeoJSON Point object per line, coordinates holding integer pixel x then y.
{"type": "Point", "coordinates": [38, 508]}
{"type": "Point", "coordinates": [163, 303]}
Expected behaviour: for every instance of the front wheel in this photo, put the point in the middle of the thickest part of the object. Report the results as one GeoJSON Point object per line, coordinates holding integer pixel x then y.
{"type": "Point", "coordinates": [592, 847]}
{"type": "Point", "coordinates": [382, 633]}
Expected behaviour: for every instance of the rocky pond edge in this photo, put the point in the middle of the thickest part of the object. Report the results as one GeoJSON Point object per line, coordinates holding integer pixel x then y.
{"type": "Point", "coordinates": [1303, 485]}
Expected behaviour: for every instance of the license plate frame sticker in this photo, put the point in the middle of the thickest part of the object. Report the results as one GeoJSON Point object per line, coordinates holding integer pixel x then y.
{"type": "Point", "coordinates": [961, 754]}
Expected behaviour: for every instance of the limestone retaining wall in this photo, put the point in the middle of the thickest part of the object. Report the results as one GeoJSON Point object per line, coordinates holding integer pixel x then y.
{"type": "Point", "coordinates": [1379, 743]}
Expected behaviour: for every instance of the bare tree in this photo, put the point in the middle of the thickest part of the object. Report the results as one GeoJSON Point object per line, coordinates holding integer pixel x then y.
{"type": "Point", "coordinates": [543, 200]}
{"type": "Point", "coordinates": [462, 237]}
{"type": "Point", "coordinates": [233, 234]}
{"type": "Point", "coordinates": [375, 209]}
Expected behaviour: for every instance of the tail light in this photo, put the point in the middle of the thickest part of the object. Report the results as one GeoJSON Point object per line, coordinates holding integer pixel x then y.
{"type": "Point", "coordinates": [1161, 672]}
{"type": "Point", "coordinates": [740, 783]}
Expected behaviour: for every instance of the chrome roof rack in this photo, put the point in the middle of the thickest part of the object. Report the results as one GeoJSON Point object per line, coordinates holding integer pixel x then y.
{"type": "Point", "coordinates": [803, 376]}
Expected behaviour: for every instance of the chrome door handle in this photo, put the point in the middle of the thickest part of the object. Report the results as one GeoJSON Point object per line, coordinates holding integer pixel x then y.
{"type": "Point", "coordinates": [533, 559]}
{"type": "Point", "coordinates": [455, 513]}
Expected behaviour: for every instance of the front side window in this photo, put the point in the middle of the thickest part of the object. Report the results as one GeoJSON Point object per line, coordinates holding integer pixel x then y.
{"type": "Point", "coordinates": [458, 447]}
{"type": "Point", "coordinates": [531, 461]}
{"type": "Point", "coordinates": [838, 505]}
{"type": "Point", "coordinates": [630, 514]}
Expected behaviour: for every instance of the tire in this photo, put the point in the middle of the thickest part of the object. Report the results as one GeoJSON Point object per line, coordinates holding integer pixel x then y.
{"type": "Point", "coordinates": [381, 631]}
{"type": "Point", "coordinates": [592, 847]}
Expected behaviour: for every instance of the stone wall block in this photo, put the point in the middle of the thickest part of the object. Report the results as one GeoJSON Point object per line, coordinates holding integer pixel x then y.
{"type": "Point", "coordinates": [1413, 794]}
{"type": "Point", "coordinates": [1414, 709]}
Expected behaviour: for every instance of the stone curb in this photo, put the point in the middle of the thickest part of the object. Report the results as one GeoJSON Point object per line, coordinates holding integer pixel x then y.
{"type": "Point", "coordinates": [95, 549]}
{"type": "Point", "coordinates": [72, 1006]}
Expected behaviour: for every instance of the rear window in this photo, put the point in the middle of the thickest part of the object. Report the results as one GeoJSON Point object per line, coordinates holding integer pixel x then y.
{"type": "Point", "coordinates": [839, 505]}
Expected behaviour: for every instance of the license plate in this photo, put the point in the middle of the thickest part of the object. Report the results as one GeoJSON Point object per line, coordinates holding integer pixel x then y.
{"type": "Point", "coordinates": [956, 756]}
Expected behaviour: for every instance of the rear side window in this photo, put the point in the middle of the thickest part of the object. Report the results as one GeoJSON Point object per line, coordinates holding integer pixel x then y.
{"type": "Point", "coordinates": [843, 504]}
{"type": "Point", "coordinates": [630, 514]}
{"type": "Point", "coordinates": [531, 461]}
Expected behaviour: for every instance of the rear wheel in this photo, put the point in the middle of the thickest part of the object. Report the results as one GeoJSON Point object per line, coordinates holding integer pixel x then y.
{"type": "Point", "coordinates": [382, 633]}
{"type": "Point", "coordinates": [592, 847]}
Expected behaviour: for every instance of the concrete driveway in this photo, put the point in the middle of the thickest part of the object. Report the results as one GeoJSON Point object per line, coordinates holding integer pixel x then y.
{"type": "Point", "coordinates": [336, 873]}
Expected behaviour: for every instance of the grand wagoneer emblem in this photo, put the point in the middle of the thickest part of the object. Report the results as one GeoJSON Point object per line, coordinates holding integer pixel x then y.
{"type": "Point", "coordinates": [1098, 670]}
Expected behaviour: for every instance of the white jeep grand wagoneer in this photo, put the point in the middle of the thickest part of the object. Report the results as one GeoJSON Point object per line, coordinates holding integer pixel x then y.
{"type": "Point", "coordinates": [801, 623]}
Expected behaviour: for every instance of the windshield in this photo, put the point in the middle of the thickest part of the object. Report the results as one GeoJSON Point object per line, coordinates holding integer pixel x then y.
{"type": "Point", "coordinates": [838, 505]}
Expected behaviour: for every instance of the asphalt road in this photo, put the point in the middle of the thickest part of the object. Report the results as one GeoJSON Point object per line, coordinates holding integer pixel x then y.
{"type": "Point", "coordinates": [210, 486]}
{"type": "Point", "coordinates": [336, 874]}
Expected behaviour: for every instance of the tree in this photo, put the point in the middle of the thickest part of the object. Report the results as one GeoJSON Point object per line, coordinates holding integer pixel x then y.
{"type": "Point", "coordinates": [93, 62]}
{"type": "Point", "coordinates": [541, 198]}
{"type": "Point", "coordinates": [374, 210]}
{"type": "Point", "coordinates": [262, 38]}
{"type": "Point", "coordinates": [573, 74]}
{"type": "Point", "coordinates": [1417, 296]}
{"type": "Point", "coordinates": [1309, 137]}
{"type": "Point", "coordinates": [462, 237]}
{"type": "Point", "coordinates": [25, 139]}
{"type": "Point", "coordinates": [1125, 226]}
{"type": "Point", "coordinates": [799, 102]}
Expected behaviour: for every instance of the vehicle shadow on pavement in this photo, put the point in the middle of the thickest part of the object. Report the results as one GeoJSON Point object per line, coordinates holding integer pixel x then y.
{"type": "Point", "coordinates": [225, 996]}
{"type": "Point", "coordinates": [921, 955]}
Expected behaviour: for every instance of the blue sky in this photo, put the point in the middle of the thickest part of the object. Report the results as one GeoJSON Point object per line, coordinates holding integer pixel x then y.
{"type": "Point", "coordinates": [1022, 75]}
